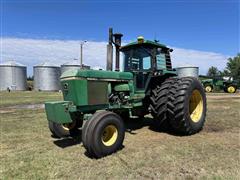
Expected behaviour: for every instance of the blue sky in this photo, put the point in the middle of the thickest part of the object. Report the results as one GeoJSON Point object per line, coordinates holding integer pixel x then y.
{"type": "Point", "coordinates": [207, 26]}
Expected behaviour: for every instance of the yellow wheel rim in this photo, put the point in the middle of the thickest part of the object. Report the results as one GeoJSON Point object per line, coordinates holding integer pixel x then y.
{"type": "Point", "coordinates": [208, 88]}
{"type": "Point", "coordinates": [69, 126]}
{"type": "Point", "coordinates": [231, 89]}
{"type": "Point", "coordinates": [109, 135]}
{"type": "Point", "coordinates": [196, 106]}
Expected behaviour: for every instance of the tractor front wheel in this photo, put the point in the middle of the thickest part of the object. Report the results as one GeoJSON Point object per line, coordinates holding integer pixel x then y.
{"type": "Point", "coordinates": [63, 130]}
{"type": "Point", "coordinates": [208, 88]}
{"type": "Point", "coordinates": [103, 134]}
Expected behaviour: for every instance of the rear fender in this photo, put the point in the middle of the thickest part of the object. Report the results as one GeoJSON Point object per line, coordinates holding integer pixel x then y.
{"type": "Point", "coordinates": [156, 80]}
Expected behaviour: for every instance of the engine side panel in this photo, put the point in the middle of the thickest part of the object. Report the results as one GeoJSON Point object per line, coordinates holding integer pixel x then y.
{"type": "Point", "coordinates": [97, 92]}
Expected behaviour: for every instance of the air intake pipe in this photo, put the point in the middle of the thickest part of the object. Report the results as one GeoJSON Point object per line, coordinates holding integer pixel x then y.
{"type": "Point", "coordinates": [117, 43]}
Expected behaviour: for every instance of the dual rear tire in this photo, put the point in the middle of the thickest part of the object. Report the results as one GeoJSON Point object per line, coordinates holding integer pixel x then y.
{"type": "Point", "coordinates": [181, 103]}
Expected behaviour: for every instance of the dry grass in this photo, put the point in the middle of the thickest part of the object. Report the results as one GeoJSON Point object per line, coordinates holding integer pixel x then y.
{"type": "Point", "coordinates": [29, 152]}
{"type": "Point", "coordinates": [27, 97]}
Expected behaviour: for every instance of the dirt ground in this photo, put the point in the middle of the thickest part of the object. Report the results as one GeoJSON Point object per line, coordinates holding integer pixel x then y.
{"type": "Point", "coordinates": [29, 152]}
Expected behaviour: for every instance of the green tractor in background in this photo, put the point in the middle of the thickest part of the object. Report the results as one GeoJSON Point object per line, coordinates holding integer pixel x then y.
{"type": "Point", "coordinates": [227, 84]}
{"type": "Point", "coordinates": [98, 102]}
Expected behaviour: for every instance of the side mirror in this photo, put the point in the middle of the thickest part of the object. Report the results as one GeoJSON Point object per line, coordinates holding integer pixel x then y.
{"type": "Point", "coordinates": [170, 50]}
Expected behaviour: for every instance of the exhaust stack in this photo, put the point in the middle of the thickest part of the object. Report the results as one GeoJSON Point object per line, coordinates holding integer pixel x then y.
{"type": "Point", "coordinates": [110, 51]}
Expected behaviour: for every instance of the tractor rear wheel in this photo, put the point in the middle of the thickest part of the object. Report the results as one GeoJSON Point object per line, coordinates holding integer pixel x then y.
{"type": "Point", "coordinates": [104, 134]}
{"type": "Point", "coordinates": [63, 130]}
{"type": "Point", "coordinates": [231, 89]}
{"type": "Point", "coordinates": [189, 106]}
{"type": "Point", "coordinates": [159, 102]}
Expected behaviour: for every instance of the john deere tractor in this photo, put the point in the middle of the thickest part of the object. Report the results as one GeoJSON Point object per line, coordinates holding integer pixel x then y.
{"type": "Point", "coordinates": [99, 102]}
{"type": "Point", "coordinates": [227, 84]}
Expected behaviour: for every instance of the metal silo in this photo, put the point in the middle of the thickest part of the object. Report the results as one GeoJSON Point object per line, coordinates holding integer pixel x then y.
{"type": "Point", "coordinates": [72, 65]}
{"type": "Point", "coordinates": [46, 77]}
{"type": "Point", "coordinates": [13, 75]}
{"type": "Point", "coordinates": [185, 71]}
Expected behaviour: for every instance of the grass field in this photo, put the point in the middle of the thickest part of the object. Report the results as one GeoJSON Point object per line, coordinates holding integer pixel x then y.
{"type": "Point", "coordinates": [29, 152]}
{"type": "Point", "coordinates": [27, 97]}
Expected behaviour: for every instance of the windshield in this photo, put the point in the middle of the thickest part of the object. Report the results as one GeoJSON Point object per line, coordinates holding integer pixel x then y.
{"type": "Point", "coordinates": [137, 59]}
{"type": "Point", "coordinates": [141, 59]}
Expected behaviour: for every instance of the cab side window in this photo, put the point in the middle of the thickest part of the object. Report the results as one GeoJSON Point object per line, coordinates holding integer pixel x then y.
{"type": "Point", "coordinates": [161, 61]}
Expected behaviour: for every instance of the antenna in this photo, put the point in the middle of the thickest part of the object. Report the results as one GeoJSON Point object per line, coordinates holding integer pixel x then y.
{"type": "Point", "coordinates": [155, 37]}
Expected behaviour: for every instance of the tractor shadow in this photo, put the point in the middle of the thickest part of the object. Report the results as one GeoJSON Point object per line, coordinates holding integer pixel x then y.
{"type": "Point", "coordinates": [131, 125]}
{"type": "Point", "coordinates": [70, 141]}
{"type": "Point", "coordinates": [138, 123]}
{"type": "Point", "coordinates": [87, 154]}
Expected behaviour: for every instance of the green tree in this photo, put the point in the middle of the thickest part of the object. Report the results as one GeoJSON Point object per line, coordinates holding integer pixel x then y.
{"type": "Point", "coordinates": [233, 67]}
{"type": "Point", "coordinates": [213, 71]}
{"type": "Point", "coordinates": [225, 73]}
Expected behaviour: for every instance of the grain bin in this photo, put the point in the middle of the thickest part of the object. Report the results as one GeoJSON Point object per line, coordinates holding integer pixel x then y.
{"type": "Point", "coordinates": [185, 71]}
{"type": "Point", "coordinates": [13, 75]}
{"type": "Point", "coordinates": [46, 77]}
{"type": "Point", "coordinates": [72, 65]}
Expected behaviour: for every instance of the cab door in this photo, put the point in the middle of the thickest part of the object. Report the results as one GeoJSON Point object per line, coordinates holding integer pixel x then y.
{"type": "Point", "coordinates": [142, 69]}
{"type": "Point", "coordinates": [139, 62]}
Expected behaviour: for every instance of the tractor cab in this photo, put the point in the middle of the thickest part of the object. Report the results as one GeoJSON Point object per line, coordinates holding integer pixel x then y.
{"type": "Point", "coordinates": [145, 57]}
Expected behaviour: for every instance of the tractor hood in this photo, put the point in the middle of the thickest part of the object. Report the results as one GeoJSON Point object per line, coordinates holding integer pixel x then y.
{"type": "Point", "coordinates": [207, 80]}
{"type": "Point", "coordinates": [98, 74]}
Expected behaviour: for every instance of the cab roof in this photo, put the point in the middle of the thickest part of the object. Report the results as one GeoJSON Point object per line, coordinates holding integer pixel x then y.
{"type": "Point", "coordinates": [145, 42]}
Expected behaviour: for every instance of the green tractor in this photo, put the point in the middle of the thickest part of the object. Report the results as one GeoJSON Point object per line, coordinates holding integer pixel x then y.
{"type": "Point", "coordinates": [98, 102]}
{"type": "Point", "coordinates": [227, 84]}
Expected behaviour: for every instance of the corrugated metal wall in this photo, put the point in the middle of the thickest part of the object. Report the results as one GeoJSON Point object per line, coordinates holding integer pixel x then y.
{"type": "Point", "coordinates": [13, 76]}
{"type": "Point", "coordinates": [46, 78]}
